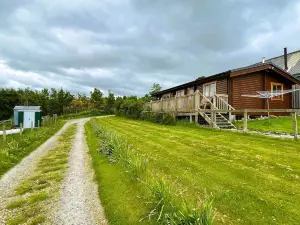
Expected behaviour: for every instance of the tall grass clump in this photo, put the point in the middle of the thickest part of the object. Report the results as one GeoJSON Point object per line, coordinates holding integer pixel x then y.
{"type": "Point", "coordinates": [168, 207]}
{"type": "Point", "coordinates": [16, 147]}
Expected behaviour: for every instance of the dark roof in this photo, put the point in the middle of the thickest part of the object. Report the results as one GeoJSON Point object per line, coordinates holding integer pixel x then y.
{"type": "Point", "coordinates": [293, 59]}
{"type": "Point", "coordinates": [292, 73]}
{"type": "Point", "coordinates": [37, 108]}
{"type": "Point", "coordinates": [189, 84]}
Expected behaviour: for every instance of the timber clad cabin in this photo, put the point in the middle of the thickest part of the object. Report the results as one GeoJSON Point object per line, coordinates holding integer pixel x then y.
{"type": "Point", "coordinates": [225, 90]}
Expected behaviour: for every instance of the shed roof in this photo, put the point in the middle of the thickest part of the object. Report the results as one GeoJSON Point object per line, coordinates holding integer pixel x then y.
{"type": "Point", "coordinates": [37, 108]}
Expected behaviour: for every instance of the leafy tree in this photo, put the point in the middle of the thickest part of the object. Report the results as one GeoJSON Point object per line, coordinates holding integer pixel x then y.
{"type": "Point", "coordinates": [110, 102]}
{"type": "Point", "coordinates": [155, 88]}
{"type": "Point", "coordinates": [97, 97]}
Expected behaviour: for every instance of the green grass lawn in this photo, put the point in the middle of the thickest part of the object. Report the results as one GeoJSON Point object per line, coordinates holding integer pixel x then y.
{"type": "Point", "coordinates": [254, 179]}
{"type": "Point", "coordinates": [119, 195]}
{"type": "Point", "coordinates": [16, 147]}
{"type": "Point", "coordinates": [281, 125]}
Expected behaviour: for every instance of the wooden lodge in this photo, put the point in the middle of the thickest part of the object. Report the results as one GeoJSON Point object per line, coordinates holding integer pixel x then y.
{"type": "Point", "coordinates": [224, 91]}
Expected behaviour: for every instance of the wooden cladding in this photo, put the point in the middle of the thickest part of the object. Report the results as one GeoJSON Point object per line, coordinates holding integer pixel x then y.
{"type": "Point", "coordinates": [221, 86]}
{"type": "Point", "coordinates": [258, 81]}
{"type": "Point", "coordinates": [247, 84]}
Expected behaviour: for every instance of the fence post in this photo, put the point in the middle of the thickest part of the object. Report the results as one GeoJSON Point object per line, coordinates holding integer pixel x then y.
{"type": "Point", "coordinates": [294, 115]}
{"type": "Point", "coordinates": [151, 105]}
{"type": "Point", "coordinates": [175, 104]}
{"type": "Point", "coordinates": [31, 126]}
{"type": "Point", "coordinates": [197, 100]}
{"type": "Point", "coordinates": [245, 127]}
{"type": "Point", "coordinates": [191, 118]}
{"type": "Point", "coordinates": [4, 135]}
{"type": "Point", "coordinates": [39, 123]}
{"type": "Point", "coordinates": [21, 129]}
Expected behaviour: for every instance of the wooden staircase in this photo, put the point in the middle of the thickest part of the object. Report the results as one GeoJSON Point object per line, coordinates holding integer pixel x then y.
{"type": "Point", "coordinates": [221, 121]}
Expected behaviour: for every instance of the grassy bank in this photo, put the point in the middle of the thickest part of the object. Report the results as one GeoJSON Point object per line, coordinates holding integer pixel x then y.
{"type": "Point", "coordinates": [280, 125]}
{"type": "Point", "coordinates": [16, 147]}
{"type": "Point", "coordinates": [119, 194]}
{"type": "Point", "coordinates": [254, 179]}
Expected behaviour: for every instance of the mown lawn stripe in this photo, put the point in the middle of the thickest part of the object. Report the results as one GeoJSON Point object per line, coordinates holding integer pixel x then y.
{"type": "Point", "coordinates": [264, 193]}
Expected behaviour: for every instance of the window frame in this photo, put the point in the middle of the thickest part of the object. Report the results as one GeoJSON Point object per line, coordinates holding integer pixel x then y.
{"type": "Point", "coordinates": [208, 84]}
{"type": "Point", "coordinates": [279, 98]}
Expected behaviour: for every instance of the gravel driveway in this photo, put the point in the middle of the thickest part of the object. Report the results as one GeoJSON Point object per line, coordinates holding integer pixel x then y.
{"type": "Point", "coordinates": [79, 201]}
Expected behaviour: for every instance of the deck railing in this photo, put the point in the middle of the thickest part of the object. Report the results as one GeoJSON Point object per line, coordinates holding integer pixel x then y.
{"type": "Point", "coordinates": [189, 103]}
{"type": "Point", "coordinates": [221, 102]}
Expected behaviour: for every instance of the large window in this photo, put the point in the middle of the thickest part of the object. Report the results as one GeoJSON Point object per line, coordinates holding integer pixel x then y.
{"type": "Point", "coordinates": [277, 88]}
{"type": "Point", "coordinates": [209, 89]}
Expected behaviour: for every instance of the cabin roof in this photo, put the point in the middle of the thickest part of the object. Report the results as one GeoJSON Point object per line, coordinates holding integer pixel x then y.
{"type": "Point", "coordinates": [37, 108]}
{"type": "Point", "coordinates": [235, 72]}
{"type": "Point", "coordinates": [191, 83]}
{"type": "Point", "coordinates": [293, 63]}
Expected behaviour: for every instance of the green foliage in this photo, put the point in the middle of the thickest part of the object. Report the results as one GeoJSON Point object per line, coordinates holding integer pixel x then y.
{"type": "Point", "coordinates": [109, 106]}
{"type": "Point", "coordinates": [155, 88]}
{"type": "Point", "coordinates": [97, 97]}
{"type": "Point", "coordinates": [51, 102]}
{"type": "Point", "coordinates": [133, 107]}
{"type": "Point", "coordinates": [18, 147]}
{"type": "Point", "coordinates": [168, 208]}
{"type": "Point", "coordinates": [162, 118]}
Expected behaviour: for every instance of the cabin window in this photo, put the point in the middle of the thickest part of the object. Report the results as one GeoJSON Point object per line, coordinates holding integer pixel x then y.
{"type": "Point", "coordinates": [209, 89]}
{"type": "Point", "coordinates": [277, 88]}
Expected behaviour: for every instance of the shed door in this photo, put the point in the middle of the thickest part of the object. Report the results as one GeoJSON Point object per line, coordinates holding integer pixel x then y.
{"type": "Point", "coordinates": [28, 118]}
{"type": "Point", "coordinates": [37, 116]}
{"type": "Point", "coordinates": [20, 118]}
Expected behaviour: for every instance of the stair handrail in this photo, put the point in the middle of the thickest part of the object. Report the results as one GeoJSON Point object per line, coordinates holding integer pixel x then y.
{"type": "Point", "coordinates": [226, 103]}
{"type": "Point", "coordinates": [203, 96]}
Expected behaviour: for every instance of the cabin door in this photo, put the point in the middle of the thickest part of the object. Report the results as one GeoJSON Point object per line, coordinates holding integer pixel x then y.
{"type": "Point", "coordinates": [209, 91]}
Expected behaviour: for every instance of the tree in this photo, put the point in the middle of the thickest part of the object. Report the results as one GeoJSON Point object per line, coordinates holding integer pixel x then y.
{"type": "Point", "coordinates": [109, 102]}
{"type": "Point", "coordinates": [155, 88]}
{"type": "Point", "coordinates": [97, 97]}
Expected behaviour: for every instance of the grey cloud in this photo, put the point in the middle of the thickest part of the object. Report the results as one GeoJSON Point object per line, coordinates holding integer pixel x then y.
{"type": "Point", "coordinates": [140, 41]}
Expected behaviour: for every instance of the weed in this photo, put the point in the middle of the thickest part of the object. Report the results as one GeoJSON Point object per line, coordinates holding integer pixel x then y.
{"type": "Point", "coordinates": [16, 204]}
{"type": "Point", "coordinates": [41, 196]}
{"type": "Point", "coordinates": [37, 220]}
{"type": "Point", "coordinates": [16, 220]}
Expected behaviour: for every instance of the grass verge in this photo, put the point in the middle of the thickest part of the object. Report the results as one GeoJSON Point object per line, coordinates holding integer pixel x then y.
{"type": "Point", "coordinates": [254, 179]}
{"type": "Point", "coordinates": [16, 147]}
{"type": "Point", "coordinates": [33, 195]}
{"type": "Point", "coordinates": [168, 207]}
{"type": "Point", "coordinates": [274, 125]}
{"type": "Point", "coordinates": [120, 196]}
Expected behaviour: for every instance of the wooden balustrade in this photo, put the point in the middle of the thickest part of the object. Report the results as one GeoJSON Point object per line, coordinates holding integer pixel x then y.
{"type": "Point", "coordinates": [188, 103]}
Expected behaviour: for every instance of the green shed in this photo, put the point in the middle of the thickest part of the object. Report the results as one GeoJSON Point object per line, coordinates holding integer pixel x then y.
{"type": "Point", "coordinates": [27, 115]}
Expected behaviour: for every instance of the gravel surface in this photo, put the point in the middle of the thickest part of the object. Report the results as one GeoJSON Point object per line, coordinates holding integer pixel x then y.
{"type": "Point", "coordinates": [79, 202]}
{"type": "Point", "coordinates": [25, 168]}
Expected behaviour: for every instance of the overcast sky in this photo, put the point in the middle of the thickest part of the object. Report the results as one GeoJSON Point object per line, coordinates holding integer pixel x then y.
{"type": "Point", "coordinates": [127, 45]}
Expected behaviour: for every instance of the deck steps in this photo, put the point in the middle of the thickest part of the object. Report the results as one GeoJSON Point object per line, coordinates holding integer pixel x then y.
{"type": "Point", "coordinates": [221, 121]}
